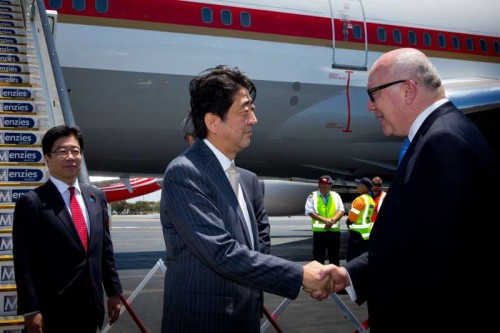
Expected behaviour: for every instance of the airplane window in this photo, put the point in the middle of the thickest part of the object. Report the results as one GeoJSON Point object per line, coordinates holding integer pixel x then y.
{"type": "Point", "coordinates": [226, 17]}
{"type": "Point", "coordinates": [357, 32]}
{"type": "Point", "coordinates": [207, 15]}
{"type": "Point", "coordinates": [470, 44]}
{"type": "Point", "coordinates": [79, 4]}
{"type": "Point", "coordinates": [101, 6]}
{"type": "Point", "coordinates": [56, 4]}
{"type": "Point", "coordinates": [456, 42]}
{"type": "Point", "coordinates": [245, 19]}
{"type": "Point", "coordinates": [382, 34]}
{"type": "Point", "coordinates": [496, 46]}
{"type": "Point", "coordinates": [483, 46]}
{"type": "Point", "coordinates": [396, 36]}
{"type": "Point", "coordinates": [441, 40]}
{"type": "Point", "coordinates": [412, 37]}
{"type": "Point", "coordinates": [427, 39]}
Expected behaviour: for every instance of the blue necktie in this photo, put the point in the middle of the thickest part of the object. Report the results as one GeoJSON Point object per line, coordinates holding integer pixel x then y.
{"type": "Point", "coordinates": [404, 148]}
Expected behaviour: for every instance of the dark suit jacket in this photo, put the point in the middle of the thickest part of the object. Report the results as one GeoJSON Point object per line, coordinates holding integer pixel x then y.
{"type": "Point", "coordinates": [53, 273]}
{"type": "Point", "coordinates": [213, 280]}
{"type": "Point", "coordinates": [421, 272]}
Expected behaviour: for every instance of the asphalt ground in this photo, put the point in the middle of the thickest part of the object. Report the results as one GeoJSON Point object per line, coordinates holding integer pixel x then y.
{"type": "Point", "coordinates": [139, 250]}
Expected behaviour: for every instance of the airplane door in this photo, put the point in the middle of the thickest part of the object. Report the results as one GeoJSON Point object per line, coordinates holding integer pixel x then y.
{"type": "Point", "coordinates": [350, 46]}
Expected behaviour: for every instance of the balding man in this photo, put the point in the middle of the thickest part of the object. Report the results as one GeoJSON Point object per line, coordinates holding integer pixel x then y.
{"type": "Point", "coordinates": [421, 268]}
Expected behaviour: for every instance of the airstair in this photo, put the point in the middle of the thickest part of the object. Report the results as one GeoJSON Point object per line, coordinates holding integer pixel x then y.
{"type": "Point", "coordinates": [29, 105]}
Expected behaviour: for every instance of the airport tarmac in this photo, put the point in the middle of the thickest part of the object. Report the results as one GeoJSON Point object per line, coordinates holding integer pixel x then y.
{"type": "Point", "coordinates": [139, 250]}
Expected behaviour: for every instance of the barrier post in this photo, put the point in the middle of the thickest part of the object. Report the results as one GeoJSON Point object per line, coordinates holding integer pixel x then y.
{"type": "Point", "coordinates": [126, 302]}
{"type": "Point", "coordinates": [348, 313]}
{"type": "Point", "coordinates": [275, 314]}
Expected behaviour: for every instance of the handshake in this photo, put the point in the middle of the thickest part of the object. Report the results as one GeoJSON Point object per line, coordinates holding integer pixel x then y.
{"type": "Point", "coordinates": [319, 281]}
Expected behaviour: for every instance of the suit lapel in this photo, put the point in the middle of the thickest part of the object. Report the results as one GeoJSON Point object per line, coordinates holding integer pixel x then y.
{"type": "Point", "coordinates": [416, 142]}
{"type": "Point", "coordinates": [214, 170]}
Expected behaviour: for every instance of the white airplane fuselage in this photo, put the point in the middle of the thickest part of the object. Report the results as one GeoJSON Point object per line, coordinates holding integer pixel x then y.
{"type": "Point", "coordinates": [127, 73]}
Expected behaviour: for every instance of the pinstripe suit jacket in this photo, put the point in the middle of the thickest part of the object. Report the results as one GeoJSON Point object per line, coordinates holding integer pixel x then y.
{"type": "Point", "coordinates": [430, 230]}
{"type": "Point", "coordinates": [53, 273]}
{"type": "Point", "coordinates": [213, 280]}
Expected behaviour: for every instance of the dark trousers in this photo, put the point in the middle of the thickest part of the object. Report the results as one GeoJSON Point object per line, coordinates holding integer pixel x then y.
{"type": "Point", "coordinates": [326, 241]}
{"type": "Point", "coordinates": [356, 246]}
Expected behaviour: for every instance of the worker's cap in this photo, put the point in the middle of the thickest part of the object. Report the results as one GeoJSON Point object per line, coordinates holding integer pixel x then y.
{"type": "Point", "coordinates": [365, 181]}
{"type": "Point", "coordinates": [325, 180]}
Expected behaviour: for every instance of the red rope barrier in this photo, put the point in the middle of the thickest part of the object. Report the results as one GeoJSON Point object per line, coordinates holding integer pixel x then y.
{"type": "Point", "coordinates": [271, 320]}
{"type": "Point", "coordinates": [365, 325]}
{"type": "Point", "coordinates": [133, 315]}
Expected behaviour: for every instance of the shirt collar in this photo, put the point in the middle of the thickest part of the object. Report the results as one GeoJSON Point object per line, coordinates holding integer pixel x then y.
{"type": "Point", "coordinates": [422, 116]}
{"type": "Point", "coordinates": [62, 186]}
{"type": "Point", "coordinates": [223, 160]}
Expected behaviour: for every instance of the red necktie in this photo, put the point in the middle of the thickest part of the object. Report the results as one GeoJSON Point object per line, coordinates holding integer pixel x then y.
{"type": "Point", "coordinates": [78, 218]}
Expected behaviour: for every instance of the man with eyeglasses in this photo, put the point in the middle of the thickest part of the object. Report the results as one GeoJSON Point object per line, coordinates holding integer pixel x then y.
{"type": "Point", "coordinates": [378, 195]}
{"type": "Point", "coordinates": [63, 254]}
{"type": "Point", "coordinates": [421, 272]}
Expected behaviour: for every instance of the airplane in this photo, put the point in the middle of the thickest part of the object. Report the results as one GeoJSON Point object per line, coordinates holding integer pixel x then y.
{"type": "Point", "coordinates": [127, 65]}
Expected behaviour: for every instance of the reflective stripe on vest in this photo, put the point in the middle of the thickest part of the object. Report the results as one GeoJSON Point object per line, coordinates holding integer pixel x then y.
{"type": "Point", "coordinates": [329, 210]}
{"type": "Point", "coordinates": [363, 223]}
{"type": "Point", "coordinates": [378, 203]}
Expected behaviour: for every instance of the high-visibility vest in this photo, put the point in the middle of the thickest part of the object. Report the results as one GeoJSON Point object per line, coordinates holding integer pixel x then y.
{"type": "Point", "coordinates": [363, 223]}
{"type": "Point", "coordinates": [379, 199]}
{"type": "Point", "coordinates": [329, 210]}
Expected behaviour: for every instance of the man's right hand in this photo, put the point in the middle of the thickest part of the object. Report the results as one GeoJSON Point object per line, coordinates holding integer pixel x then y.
{"type": "Point", "coordinates": [33, 323]}
{"type": "Point", "coordinates": [338, 274]}
{"type": "Point", "coordinates": [318, 288]}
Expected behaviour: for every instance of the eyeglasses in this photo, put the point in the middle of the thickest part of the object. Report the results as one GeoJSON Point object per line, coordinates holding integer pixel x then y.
{"type": "Point", "coordinates": [383, 86]}
{"type": "Point", "coordinates": [375, 184]}
{"type": "Point", "coordinates": [64, 152]}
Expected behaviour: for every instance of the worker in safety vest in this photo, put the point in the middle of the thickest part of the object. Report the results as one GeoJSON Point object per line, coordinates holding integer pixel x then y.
{"type": "Point", "coordinates": [378, 195]}
{"type": "Point", "coordinates": [325, 207]}
{"type": "Point", "coordinates": [360, 219]}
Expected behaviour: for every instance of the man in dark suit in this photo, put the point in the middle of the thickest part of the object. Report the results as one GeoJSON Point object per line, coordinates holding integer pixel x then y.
{"type": "Point", "coordinates": [419, 273]}
{"type": "Point", "coordinates": [60, 273]}
{"type": "Point", "coordinates": [215, 273]}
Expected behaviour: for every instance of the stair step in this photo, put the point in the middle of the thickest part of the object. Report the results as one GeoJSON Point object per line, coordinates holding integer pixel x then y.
{"type": "Point", "coordinates": [20, 92]}
{"type": "Point", "coordinates": [11, 48]}
{"type": "Point", "coordinates": [12, 324]}
{"type": "Point", "coordinates": [7, 22]}
{"type": "Point", "coordinates": [11, 16]}
{"type": "Point", "coordinates": [7, 274]}
{"type": "Point", "coordinates": [8, 299]}
{"type": "Point", "coordinates": [7, 57]}
{"type": "Point", "coordinates": [8, 39]}
{"type": "Point", "coordinates": [14, 67]}
{"type": "Point", "coordinates": [19, 137]}
{"type": "Point", "coordinates": [8, 121]}
{"type": "Point", "coordinates": [23, 174]}
{"type": "Point", "coordinates": [6, 222]}
{"type": "Point", "coordinates": [10, 193]}
{"type": "Point", "coordinates": [8, 30]}
{"type": "Point", "coordinates": [5, 249]}
{"type": "Point", "coordinates": [28, 154]}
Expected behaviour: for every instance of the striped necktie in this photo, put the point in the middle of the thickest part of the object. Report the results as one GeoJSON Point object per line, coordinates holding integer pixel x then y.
{"type": "Point", "coordinates": [78, 218]}
{"type": "Point", "coordinates": [233, 178]}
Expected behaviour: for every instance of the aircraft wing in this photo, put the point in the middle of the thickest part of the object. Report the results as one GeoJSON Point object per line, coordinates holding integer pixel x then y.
{"type": "Point", "coordinates": [474, 94]}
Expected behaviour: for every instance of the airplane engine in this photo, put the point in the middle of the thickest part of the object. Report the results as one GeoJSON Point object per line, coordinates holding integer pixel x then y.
{"type": "Point", "coordinates": [286, 197]}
